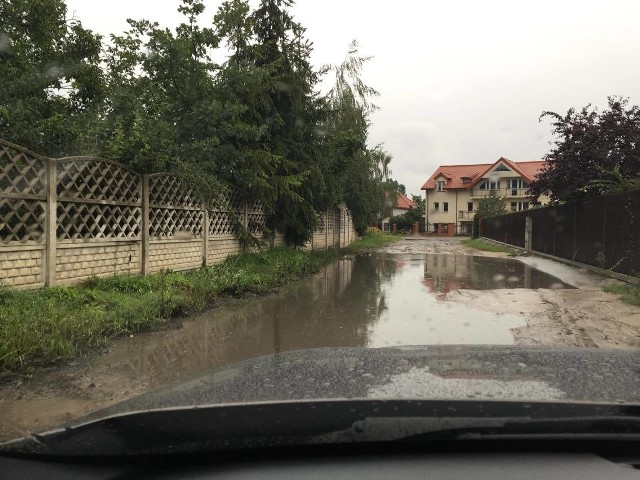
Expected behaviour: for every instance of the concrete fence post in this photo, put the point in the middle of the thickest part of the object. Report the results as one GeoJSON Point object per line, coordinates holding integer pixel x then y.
{"type": "Point", "coordinates": [144, 232]}
{"type": "Point", "coordinates": [245, 217]}
{"type": "Point", "coordinates": [345, 227]}
{"type": "Point", "coordinates": [51, 222]}
{"type": "Point", "coordinates": [333, 231]}
{"type": "Point", "coordinates": [205, 234]}
{"type": "Point", "coordinates": [326, 230]}
{"type": "Point", "coordinates": [528, 234]}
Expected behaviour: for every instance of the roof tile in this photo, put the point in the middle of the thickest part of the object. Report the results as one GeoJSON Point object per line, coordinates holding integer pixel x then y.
{"type": "Point", "coordinates": [456, 173]}
{"type": "Point", "coordinates": [402, 201]}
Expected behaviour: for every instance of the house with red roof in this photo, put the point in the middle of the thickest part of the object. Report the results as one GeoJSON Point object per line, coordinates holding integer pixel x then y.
{"type": "Point", "coordinates": [400, 206]}
{"type": "Point", "coordinates": [453, 192]}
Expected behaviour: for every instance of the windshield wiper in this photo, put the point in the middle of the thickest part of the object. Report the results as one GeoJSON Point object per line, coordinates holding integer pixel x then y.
{"type": "Point", "coordinates": [239, 426]}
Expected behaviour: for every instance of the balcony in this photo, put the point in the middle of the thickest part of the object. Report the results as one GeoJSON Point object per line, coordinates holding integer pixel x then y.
{"type": "Point", "coordinates": [504, 192]}
{"type": "Point", "coordinates": [516, 192]}
{"type": "Point", "coordinates": [462, 215]}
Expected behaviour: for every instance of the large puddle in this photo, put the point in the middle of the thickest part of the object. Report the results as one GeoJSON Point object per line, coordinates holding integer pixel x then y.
{"type": "Point", "coordinates": [369, 301]}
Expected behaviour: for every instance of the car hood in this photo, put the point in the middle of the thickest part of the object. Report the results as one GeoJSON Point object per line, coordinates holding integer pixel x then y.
{"type": "Point", "coordinates": [411, 372]}
{"type": "Point", "coordinates": [337, 395]}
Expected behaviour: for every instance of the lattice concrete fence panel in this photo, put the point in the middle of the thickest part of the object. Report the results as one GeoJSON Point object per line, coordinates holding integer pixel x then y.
{"type": "Point", "coordinates": [23, 210]}
{"type": "Point", "coordinates": [65, 220]}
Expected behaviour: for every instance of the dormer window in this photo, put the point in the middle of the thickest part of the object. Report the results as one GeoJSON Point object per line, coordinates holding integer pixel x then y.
{"type": "Point", "coordinates": [466, 179]}
{"type": "Point", "coordinates": [440, 185]}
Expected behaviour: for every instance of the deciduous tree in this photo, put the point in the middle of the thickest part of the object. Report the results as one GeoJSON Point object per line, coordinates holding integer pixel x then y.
{"type": "Point", "coordinates": [51, 77]}
{"type": "Point", "coordinates": [594, 151]}
{"type": "Point", "coordinates": [489, 206]}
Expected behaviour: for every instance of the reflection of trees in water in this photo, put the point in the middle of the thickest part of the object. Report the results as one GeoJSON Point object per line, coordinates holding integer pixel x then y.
{"type": "Point", "coordinates": [339, 307]}
{"type": "Point", "coordinates": [334, 308]}
{"type": "Point", "coordinates": [367, 291]}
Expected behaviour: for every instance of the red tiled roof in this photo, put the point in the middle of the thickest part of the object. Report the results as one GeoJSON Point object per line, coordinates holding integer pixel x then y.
{"type": "Point", "coordinates": [531, 169]}
{"type": "Point", "coordinates": [455, 173]}
{"type": "Point", "coordinates": [402, 201]}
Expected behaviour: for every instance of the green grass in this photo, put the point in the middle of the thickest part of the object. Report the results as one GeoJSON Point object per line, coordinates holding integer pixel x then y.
{"type": "Point", "coordinates": [627, 293]}
{"type": "Point", "coordinates": [489, 247]}
{"type": "Point", "coordinates": [50, 325]}
{"type": "Point", "coordinates": [373, 241]}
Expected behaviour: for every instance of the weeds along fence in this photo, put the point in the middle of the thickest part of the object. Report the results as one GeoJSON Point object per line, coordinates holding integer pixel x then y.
{"type": "Point", "coordinates": [603, 231]}
{"type": "Point", "coordinates": [65, 220]}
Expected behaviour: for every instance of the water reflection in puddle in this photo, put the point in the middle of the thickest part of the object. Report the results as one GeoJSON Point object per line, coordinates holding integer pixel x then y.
{"type": "Point", "coordinates": [446, 273]}
{"type": "Point", "coordinates": [369, 301]}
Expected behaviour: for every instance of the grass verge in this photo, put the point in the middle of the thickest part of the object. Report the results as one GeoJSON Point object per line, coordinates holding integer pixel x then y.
{"type": "Point", "coordinates": [627, 293]}
{"type": "Point", "coordinates": [46, 326]}
{"type": "Point", "coordinates": [373, 241]}
{"type": "Point", "coordinates": [51, 325]}
{"type": "Point", "coordinates": [489, 247]}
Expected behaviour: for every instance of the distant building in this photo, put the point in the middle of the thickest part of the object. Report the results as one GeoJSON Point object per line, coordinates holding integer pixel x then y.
{"type": "Point", "coordinates": [453, 192]}
{"type": "Point", "coordinates": [401, 206]}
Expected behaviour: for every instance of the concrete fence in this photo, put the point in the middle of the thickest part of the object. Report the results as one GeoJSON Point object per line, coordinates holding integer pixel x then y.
{"type": "Point", "coordinates": [65, 220]}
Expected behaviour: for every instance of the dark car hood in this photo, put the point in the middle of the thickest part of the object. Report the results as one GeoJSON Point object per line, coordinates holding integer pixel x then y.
{"type": "Point", "coordinates": [336, 395]}
{"type": "Point", "coordinates": [412, 372]}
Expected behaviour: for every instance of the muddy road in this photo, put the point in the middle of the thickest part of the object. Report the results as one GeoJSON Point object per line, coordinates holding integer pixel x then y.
{"type": "Point", "coordinates": [420, 291]}
{"type": "Point", "coordinates": [584, 316]}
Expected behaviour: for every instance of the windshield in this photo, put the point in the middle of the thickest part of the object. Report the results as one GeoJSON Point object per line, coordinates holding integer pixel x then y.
{"type": "Point", "coordinates": [207, 202]}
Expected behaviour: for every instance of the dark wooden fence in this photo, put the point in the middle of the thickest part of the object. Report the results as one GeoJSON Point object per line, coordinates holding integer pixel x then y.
{"type": "Point", "coordinates": [603, 231]}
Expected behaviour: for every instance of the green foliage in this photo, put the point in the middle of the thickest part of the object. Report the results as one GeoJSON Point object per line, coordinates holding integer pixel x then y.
{"type": "Point", "coordinates": [627, 293]}
{"type": "Point", "coordinates": [410, 217]}
{"type": "Point", "coordinates": [610, 182]}
{"type": "Point", "coordinates": [372, 232]}
{"type": "Point", "coordinates": [355, 173]}
{"type": "Point", "coordinates": [369, 242]}
{"type": "Point", "coordinates": [55, 324]}
{"type": "Point", "coordinates": [595, 152]}
{"type": "Point", "coordinates": [490, 206]}
{"type": "Point", "coordinates": [489, 247]}
{"type": "Point", "coordinates": [155, 99]}
{"type": "Point", "coordinates": [421, 202]}
{"type": "Point", "coordinates": [51, 76]}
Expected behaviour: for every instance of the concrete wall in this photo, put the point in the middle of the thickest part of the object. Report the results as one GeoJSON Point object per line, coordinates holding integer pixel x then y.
{"type": "Point", "coordinates": [78, 261]}
{"type": "Point", "coordinates": [22, 265]}
{"type": "Point", "coordinates": [174, 255]}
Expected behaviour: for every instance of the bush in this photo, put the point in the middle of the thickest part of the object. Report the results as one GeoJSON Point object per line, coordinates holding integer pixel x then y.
{"type": "Point", "coordinates": [372, 232]}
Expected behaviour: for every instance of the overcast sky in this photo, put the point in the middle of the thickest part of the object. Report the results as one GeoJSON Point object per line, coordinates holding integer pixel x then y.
{"type": "Point", "coordinates": [460, 82]}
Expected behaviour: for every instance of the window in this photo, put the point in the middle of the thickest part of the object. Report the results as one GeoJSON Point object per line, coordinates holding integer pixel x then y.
{"type": "Point", "coordinates": [440, 185]}
{"type": "Point", "coordinates": [517, 184]}
{"type": "Point", "coordinates": [490, 185]}
{"type": "Point", "coordinates": [501, 168]}
{"type": "Point", "coordinates": [436, 206]}
{"type": "Point", "coordinates": [514, 206]}
{"type": "Point", "coordinates": [466, 179]}
{"type": "Point", "coordinates": [445, 207]}
{"type": "Point", "coordinates": [469, 206]}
